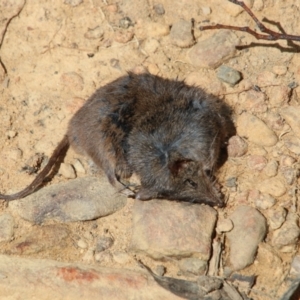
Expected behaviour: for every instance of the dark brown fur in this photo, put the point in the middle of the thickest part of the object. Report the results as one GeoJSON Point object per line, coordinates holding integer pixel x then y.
{"type": "Point", "coordinates": [166, 132]}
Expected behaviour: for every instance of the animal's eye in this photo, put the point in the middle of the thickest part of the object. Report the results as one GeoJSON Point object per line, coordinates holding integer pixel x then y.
{"type": "Point", "coordinates": [208, 172]}
{"type": "Point", "coordinates": [191, 183]}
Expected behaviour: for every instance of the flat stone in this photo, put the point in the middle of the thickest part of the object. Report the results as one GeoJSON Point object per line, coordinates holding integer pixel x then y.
{"type": "Point", "coordinates": [77, 200]}
{"type": "Point", "coordinates": [181, 34]}
{"type": "Point", "coordinates": [165, 228]}
{"type": "Point", "coordinates": [255, 130]}
{"type": "Point", "coordinates": [229, 75]}
{"type": "Point", "coordinates": [291, 116]}
{"type": "Point", "coordinates": [249, 230]}
{"type": "Point", "coordinates": [215, 50]}
{"type": "Point", "coordinates": [273, 186]}
{"type": "Point", "coordinates": [25, 278]}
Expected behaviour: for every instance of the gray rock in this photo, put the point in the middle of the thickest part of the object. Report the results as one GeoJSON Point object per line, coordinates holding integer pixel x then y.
{"type": "Point", "coordinates": [193, 266]}
{"type": "Point", "coordinates": [77, 200]}
{"type": "Point", "coordinates": [159, 9]}
{"type": "Point", "coordinates": [276, 217]}
{"type": "Point", "coordinates": [229, 75]}
{"type": "Point", "coordinates": [6, 227]}
{"type": "Point", "coordinates": [166, 228]}
{"type": "Point", "coordinates": [103, 243]}
{"type": "Point", "coordinates": [213, 51]}
{"type": "Point", "coordinates": [255, 130]}
{"type": "Point", "coordinates": [249, 230]}
{"type": "Point", "coordinates": [181, 34]}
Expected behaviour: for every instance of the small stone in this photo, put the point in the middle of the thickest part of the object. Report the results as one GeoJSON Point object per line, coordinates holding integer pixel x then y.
{"type": "Point", "coordinates": [275, 121]}
{"type": "Point", "coordinates": [160, 270]}
{"type": "Point", "coordinates": [103, 257]}
{"type": "Point", "coordinates": [67, 171]}
{"type": "Point", "coordinates": [78, 167]}
{"type": "Point", "coordinates": [287, 160]}
{"type": "Point", "coordinates": [153, 69]}
{"type": "Point", "coordinates": [286, 237]}
{"type": "Point", "coordinates": [291, 116]}
{"type": "Point", "coordinates": [264, 201]}
{"type": "Point", "coordinates": [248, 231]}
{"type": "Point", "coordinates": [279, 70]}
{"type": "Point", "coordinates": [249, 126]}
{"type": "Point", "coordinates": [88, 257]}
{"type": "Point", "coordinates": [159, 9]}
{"type": "Point", "coordinates": [82, 244]}
{"type": "Point", "coordinates": [72, 81]}
{"type": "Point", "coordinates": [229, 75]}
{"type": "Point", "coordinates": [123, 36]}
{"type": "Point", "coordinates": [103, 243]}
{"type": "Point", "coordinates": [15, 154]}
{"type": "Point", "coordinates": [230, 182]}
{"type": "Point", "coordinates": [271, 168]}
{"type": "Point", "coordinates": [193, 266]}
{"type": "Point", "coordinates": [278, 95]}
{"type": "Point", "coordinates": [154, 29]}
{"type": "Point", "coordinates": [213, 51]}
{"type": "Point", "coordinates": [289, 174]}
{"type": "Point", "coordinates": [11, 134]}
{"type": "Point", "coordinates": [253, 101]}
{"type": "Point", "coordinates": [257, 162]}
{"type": "Point", "coordinates": [73, 2]}
{"type": "Point", "coordinates": [151, 45]}
{"type": "Point", "coordinates": [181, 34]}
{"type": "Point", "coordinates": [95, 33]}
{"type": "Point", "coordinates": [236, 146]}
{"type": "Point", "coordinates": [292, 143]}
{"type": "Point", "coordinates": [121, 258]}
{"type": "Point", "coordinates": [224, 225]}
{"type": "Point", "coordinates": [77, 200]}
{"type": "Point", "coordinates": [273, 186]}
{"type": "Point", "coordinates": [276, 217]}
{"type": "Point", "coordinates": [206, 10]}
{"type": "Point", "coordinates": [258, 5]}
{"type": "Point", "coordinates": [6, 227]}
{"type": "Point", "coordinates": [125, 22]}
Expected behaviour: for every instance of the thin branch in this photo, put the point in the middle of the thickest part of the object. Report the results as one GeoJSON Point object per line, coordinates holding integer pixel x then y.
{"type": "Point", "coordinates": [270, 36]}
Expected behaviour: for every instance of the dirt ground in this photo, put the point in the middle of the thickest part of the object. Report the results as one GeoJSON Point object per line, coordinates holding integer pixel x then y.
{"type": "Point", "coordinates": [57, 53]}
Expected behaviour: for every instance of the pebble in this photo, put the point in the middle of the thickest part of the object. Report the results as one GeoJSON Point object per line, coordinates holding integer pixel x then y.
{"type": "Point", "coordinates": [249, 230]}
{"type": "Point", "coordinates": [82, 244]}
{"type": "Point", "coordinates": [233, 9]}
{"type": "Point", "coordinates": [256, 162]}
{"type": "Point", "coordinates": [289, 174]}
{"type": "Point", "coordinates": [159, 9]}
{"type": "Point", "coordinates": [6, 227]}
{"type": "Point", "coordinates": [125, 22]}
{"type": "Point", "coordinates": [271, 168]}
{"type": "Point", "coordinates": [286, 237]}
{"type": "Point", "coordinates": [167, 228]}
{"type": "Point", "coordinates": [236, 146]}
{"type": "Point", "coordinates": [121, 258]}
{"type": "Point", "coordinates": [151, 45]}
{"type": "Point", "coordinates": [156, 29]}
{"type": "Point", "coordinates": [249, 126]}
{"type": "Point", "coordinates": [213, 51]}
{"type": "Point", "coordinates": [88, 256]}
{"type": "Point", "coordinates": [181, 34]}
{"type": "Point", "coordinates": [103, 243]}
{"type": "Point", "coordinates": [95, 33]}
{"type": "Point", "coordinates": [103, 257]}
{"type": "Point", "coordinates": [276, 217]}
{"type": "Point", "coordinates": [262, 201]}
{"type": "Point", "coordinates": [192, 266]}
{"type": "Point", "coordinates": [291, 116]}
{"type": "Point", "coordinates": [287, 160]}
{"type": "Point", "coordinates": [67, 171]}
{"type": "Point", "coordinates": [123, 36]}
{"type": "Point", "coordinates": [73, 2]}
{"type": "Point", "coordinates": [273, 186]}
{"type": "Point", "coordinates": [292, 143]}
{"type": "Point", "coordinates": [278, 95]}
{"type": "Point", "coordinates": [230, 182]}
{"type": "Point", "coordinates": [253, 101]}
{"type": "Point", "coordinates": [258, 5]}
{"type": "Point", "coordinates": [295, 266]}
{"type": "Point", "coordinates": [160, 270]}
{"type": "Point", "coordinates": [78, 167]}
{"type": "Point", "coordinates": [15, 154]}
{"type": "Point", "coordinates": [72, 81]}
{"type": "Point", "coordinates": [80, 199]}
{"type": "Point", "coordinates": [206, 10]}
{"type": "Point", "coordinates": [275, 121]}
{"type": "Point", "coordinates": [11, 134]}
{"type": "Point", "coordinates": [279, 70]}
{"type": "Point", "coordinates": [224, 225]}
{"type": "Point", "coordinates": [229, 75]}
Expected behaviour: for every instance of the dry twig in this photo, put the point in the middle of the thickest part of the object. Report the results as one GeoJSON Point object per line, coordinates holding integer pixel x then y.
{"type": "Point", "coordinates": [270, 36]}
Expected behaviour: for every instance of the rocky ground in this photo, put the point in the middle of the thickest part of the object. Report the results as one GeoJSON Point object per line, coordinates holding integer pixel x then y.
{"type": "Point", "coordinates": [78, 238]}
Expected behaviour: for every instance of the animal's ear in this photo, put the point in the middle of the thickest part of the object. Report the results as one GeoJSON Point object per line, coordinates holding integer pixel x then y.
{"type": "Point", "coordinates": [145, 194]}
{"type": "Point", "coordinates": [178, 166]}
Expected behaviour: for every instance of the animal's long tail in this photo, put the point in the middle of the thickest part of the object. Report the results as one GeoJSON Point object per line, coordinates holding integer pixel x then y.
{"type": "Point", "coordinates": [61, 148]}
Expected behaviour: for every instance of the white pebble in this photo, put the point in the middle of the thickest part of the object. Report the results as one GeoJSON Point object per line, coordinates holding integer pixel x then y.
{"type": "Point", "coordinates": [82, 244]}
{"type": "Point", "coordinates": [79, 167]}
{"type": "Point", "coordinates": [67, 171]}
